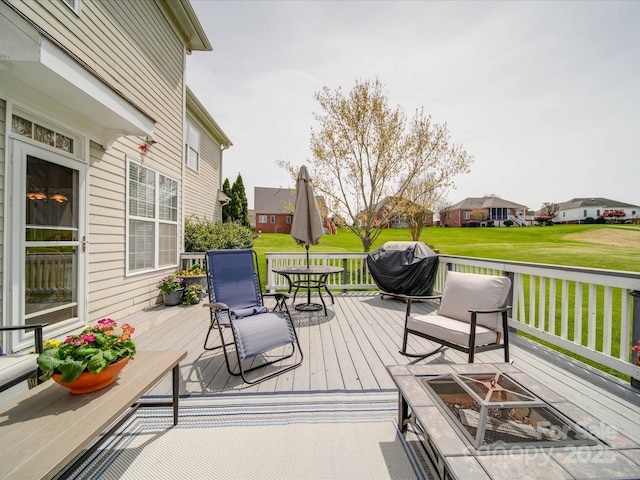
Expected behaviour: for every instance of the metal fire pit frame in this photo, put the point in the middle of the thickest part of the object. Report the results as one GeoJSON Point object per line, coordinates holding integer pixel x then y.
{"type": "Point", "coordinates": [486, 405]}
{"type": "Point", "coordinates": [455, 457]}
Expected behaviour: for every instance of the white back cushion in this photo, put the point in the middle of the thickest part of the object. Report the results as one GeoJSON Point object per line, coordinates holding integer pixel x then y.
{"type": "Point", "coordinates": [464, 291]}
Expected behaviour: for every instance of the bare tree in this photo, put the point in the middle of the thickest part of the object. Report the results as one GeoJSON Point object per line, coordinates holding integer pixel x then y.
{"type": "Point", "coordinates": [364, 151]}
{"type": "Point", "coordinates": [443, 207]}
{"type": "Point", "coordinates": [547, 213]}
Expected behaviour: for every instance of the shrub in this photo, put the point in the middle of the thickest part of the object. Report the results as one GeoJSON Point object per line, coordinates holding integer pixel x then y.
{"type": "Point", "coordinates": [472, 223]}
{"type": "Point", "coordinates": [201, 235]}
{"type": "Point", "coordinates": [508, 223]}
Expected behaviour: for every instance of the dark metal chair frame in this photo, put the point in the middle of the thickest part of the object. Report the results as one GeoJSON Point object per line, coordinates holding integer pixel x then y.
{"type": "Point", "coordinates": [221, 317]}
{"type": "Point", "coordinates": [39, 347]}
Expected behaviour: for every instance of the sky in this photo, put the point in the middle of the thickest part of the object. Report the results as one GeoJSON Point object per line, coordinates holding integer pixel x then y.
{"type": "Point", "coordinates": [545, 95]}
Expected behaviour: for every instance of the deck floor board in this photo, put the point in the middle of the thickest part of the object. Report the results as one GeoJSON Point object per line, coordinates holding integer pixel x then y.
{"type": "Point", "coordinates": [350, 348]}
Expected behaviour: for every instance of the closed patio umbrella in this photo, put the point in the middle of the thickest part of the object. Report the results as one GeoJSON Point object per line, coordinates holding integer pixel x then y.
{"type": "Point", "coordinates": [306, 227]}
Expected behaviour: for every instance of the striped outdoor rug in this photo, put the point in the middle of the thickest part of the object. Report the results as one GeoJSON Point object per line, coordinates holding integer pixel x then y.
{"type": "Point", "coordinates": [323, 435]}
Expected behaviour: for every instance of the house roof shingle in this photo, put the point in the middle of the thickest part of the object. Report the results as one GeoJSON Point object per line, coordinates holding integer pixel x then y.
{"type": "Point", "coordinates": [488, 201]}
{"type": "Point", "coordinates": [594, 202]}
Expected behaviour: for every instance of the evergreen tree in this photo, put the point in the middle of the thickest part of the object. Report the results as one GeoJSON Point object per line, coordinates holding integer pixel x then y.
{"type": "Point", "coordinates": [226, 209]}
{"type": "Point", "coordinates": [242, 207]}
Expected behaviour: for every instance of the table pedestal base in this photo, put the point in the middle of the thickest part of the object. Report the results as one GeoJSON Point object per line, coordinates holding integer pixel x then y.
{"type": "Point", "coordinates": [308, 307]}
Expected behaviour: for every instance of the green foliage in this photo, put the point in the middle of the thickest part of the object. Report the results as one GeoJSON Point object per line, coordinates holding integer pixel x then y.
{"type": "Point", "coordinates": [242, 206]}
{"type": "Point", "coordinates": [169, 284]}
{"type": "Point", "coordinates": [599, 221]}
{"type": "Point", "coordinates": [192, 294]}
{"type": "Point", "coordinates": [508, 223]}
{"type": "Point", "coordinates": [93, 350]}
{"type": "Point", "coordinates": [590, 221]}
{"type": "Point", "coordinates": [226, 209]}
{"type": "Point", "coordinates": [203, 235]}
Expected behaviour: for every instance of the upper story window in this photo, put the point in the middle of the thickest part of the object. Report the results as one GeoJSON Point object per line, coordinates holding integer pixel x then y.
{"type": "Point", "coordinates": [152, 213]}
{"type": "Point", "coordinates": [192, 148]}
{"type": "Point", "coordinates": [73, 5]}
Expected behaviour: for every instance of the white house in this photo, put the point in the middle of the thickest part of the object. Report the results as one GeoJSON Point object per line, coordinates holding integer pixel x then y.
{"type": "Point", "coordinates": [94, 119]}
{"type": "Point", "coordinates": [577, 209]}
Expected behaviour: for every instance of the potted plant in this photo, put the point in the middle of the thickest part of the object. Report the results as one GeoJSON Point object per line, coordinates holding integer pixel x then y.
{"type": "Point", "coordinates": [194, 274]}
{"type": "Point", "coordinates": [172, 288]}
{"type": "Point", "coordinates": [90, 360]}
{"type": "Point", "coordinates": [193, 294]}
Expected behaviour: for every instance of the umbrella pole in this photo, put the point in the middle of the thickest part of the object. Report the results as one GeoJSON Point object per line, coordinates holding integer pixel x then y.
{"type": "Point", "coordinates": [307, 247]}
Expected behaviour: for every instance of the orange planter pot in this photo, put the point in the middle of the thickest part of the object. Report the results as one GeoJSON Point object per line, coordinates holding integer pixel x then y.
{"type": "Point", "coordinates": [89, 382]}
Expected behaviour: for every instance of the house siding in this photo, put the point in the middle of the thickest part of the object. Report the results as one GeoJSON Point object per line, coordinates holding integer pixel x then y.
{"type": "Point", "coordinates": [132, 46]}
{"type": "Point", "coordinates": [201, 198]}
{"type": "Point", "coordinates": [2, 195]}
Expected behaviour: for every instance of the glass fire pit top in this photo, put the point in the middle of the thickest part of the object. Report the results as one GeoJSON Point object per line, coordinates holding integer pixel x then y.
{"type": "Point", "coordinates": [492, 409]}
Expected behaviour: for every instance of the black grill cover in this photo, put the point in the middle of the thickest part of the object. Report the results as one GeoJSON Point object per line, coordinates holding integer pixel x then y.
{"type": "Point", "coordinates": [404, 268]}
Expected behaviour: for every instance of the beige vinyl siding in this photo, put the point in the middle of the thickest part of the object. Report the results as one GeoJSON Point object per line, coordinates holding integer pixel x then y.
{"type": "Point", "coordinates": [132, 46]}
{"type": "Point", "coordinates": [3, 161]}
{"type": "Point", "coordinates": [201, 191]}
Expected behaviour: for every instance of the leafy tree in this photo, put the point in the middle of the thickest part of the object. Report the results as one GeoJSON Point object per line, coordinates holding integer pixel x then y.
{"type": "Point", "coordinates": [480, 214]}
{"type": "Point", "coordinates": [242, 205]}
{"type": "Point", "coordinates": [364, 150]}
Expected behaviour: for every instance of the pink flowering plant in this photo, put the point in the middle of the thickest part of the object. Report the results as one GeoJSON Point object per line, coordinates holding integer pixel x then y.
{"type": "Point", "coordinates": [636, 348]}
{"type": "Point", "coordinates": [93, 350]}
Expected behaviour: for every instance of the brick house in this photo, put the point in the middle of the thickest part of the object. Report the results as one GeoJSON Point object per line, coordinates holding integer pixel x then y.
{"type": "Point", "coordinates": [474, 211]}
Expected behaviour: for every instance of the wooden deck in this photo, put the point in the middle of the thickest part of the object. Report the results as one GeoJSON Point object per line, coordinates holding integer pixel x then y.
{"type": "Point", "coordinates": [349, 349]}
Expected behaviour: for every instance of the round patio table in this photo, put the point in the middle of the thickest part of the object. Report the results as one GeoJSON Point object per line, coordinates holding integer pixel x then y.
{"type": "Point", "coordinates": [313, 277]}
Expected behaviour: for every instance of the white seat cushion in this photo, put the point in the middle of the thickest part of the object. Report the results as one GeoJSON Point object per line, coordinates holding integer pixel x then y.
{"type": "Point", "coordinates": [449, 329]}
{"type": "Point", "coordinates": [15, 366]}
{"type": "Point", "coordinates": [469, 291]}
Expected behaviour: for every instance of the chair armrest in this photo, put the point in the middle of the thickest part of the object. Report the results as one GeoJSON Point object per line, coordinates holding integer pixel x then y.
{"type": "Point", "coordinates": [277, 295]}
{"type": "Point", "coordinates": [39, 337]}
{"type": "Point", "coordinates": [410, 298]}
{"type": "Point", "coordinates": [494, 310]}
{"type": "Point", "coordinates": [217, 306]}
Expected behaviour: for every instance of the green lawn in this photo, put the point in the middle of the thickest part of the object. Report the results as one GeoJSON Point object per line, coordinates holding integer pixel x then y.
{"type": "Point", "coordinates": [610, 247]}
{"type": "Point", "coordinates": [553, 245]}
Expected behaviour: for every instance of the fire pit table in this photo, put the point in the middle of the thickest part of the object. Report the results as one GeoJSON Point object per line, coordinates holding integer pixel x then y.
{"type": "Point", "coordinates": [492, 421]}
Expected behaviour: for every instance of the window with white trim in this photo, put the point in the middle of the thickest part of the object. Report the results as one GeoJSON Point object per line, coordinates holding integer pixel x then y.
{"type": "Point", "coordinates": [192, 148]}
{"type": "Point", "coordinates": [73, 5]}
{"type": "Point", "coordinates": [262, 219]}
{"type": "Point", "coordinates": [152, 220]}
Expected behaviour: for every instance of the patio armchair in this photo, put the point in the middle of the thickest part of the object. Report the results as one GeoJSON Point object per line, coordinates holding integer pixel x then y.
{"type": "Point", "coordinates": [472, 316]}
{"type": "Point", "coordinates": [236, 301]}
{"type": "Point", "coordinates": [18, 367]}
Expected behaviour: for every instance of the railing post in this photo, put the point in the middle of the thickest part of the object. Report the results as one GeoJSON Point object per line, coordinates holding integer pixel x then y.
{"type": "Point", "coordinates": [510, 276]}
{"type": "Point", "coordinates": [344, 275]}
{"type": "Point", "coordinates": [635, 382]}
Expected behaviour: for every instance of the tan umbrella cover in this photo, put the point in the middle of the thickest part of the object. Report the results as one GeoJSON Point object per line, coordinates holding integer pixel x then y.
{"type": "Point", "coordinates": [306, 227]}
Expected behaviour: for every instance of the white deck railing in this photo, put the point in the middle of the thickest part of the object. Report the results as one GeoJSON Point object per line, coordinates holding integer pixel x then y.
{"type": "Point", "coordinates": [589, 312]}
{"type": "Point", "coordinates": [586, 311]}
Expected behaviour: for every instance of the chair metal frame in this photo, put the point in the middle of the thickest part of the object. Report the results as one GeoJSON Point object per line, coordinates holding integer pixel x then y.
{"type": "Point", "coordinates": [39, 347]}
{"type": "Point", "coordinates": [221, 317]}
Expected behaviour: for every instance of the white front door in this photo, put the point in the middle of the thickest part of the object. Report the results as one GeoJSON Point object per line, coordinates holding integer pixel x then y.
{"type": "Point", "coordinates": [48, 239]}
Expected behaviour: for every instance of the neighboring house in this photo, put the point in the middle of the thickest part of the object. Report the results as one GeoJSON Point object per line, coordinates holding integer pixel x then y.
{"type": "Point", "coordinates": [93, 104]}
{"type": "Point", "coordinates": [273, 210]}
{"type": "Point", "coordinates": [490, 207]}
{"type": "Point", "coordinates": [252, 218]}
{"type": "Point", "coordinates": [396, 220]}
{"type": "Point", "coordinates": [577, 209]}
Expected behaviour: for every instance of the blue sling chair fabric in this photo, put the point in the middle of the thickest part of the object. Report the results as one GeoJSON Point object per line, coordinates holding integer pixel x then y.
{"type": "Point", "coordinates": [236, 300]}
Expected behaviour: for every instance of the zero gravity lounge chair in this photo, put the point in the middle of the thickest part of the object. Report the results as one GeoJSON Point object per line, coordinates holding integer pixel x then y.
{"type": "Point", "coordinates": [236, 302]}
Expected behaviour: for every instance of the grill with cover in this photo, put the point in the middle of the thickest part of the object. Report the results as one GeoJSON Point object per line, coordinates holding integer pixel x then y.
{"type": "Point", "coordinates": [404, 268]}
